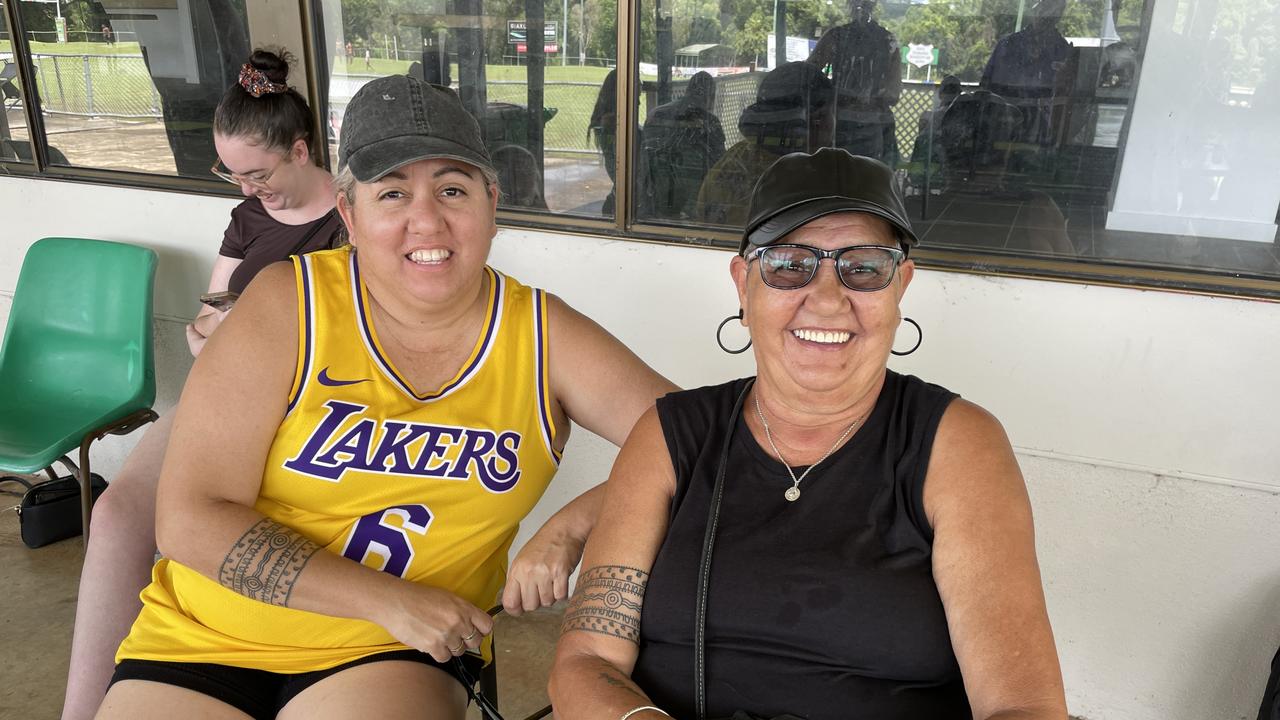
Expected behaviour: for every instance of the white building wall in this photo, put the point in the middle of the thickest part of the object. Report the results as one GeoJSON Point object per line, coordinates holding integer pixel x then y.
{"type": "Point", "coordinates": [1145, 423]}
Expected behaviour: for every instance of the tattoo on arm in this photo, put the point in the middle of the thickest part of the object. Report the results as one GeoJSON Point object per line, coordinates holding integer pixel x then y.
{"type": "Point", "coordinates": [265, 562]}
{"type": "Point", "coordinates": [614, 678]}
{"type": "Point", "coordinates": [607, 601]}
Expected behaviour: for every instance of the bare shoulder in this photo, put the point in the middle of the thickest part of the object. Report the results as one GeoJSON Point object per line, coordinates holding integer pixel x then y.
{"type": "Point", "coordinates": [971, 463]}
{"type": "Point", "coordinates": [272, 295]}
{"type": "Point", "coordinates": [275, 280]}
{"type": "Point", "coordinates": [569, 319]}
{"type": "Point", "coordinates": [647, 458]}
{"type": "Point", "coordinates": [965, 422]}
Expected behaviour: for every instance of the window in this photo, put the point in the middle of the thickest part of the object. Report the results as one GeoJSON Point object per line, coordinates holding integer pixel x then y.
{"type": "Point", "coordinates": [1118, 141]}
{"type": "Point", "coordinates": [15, 140]}
{"type": "Point", "coordinates": [1103, 133]}
{"type": "Point", "coordinates": [131, 85]}
{"type": "Point", "coordinates": [544, 98]}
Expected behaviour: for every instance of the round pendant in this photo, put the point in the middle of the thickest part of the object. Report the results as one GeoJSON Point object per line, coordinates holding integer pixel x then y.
{"type": "Point", "coordinates": [792, 494]}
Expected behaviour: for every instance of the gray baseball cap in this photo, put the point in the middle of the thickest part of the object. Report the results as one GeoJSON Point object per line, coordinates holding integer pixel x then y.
{"type": "Point", "coordinates": [395, 120]}
{"type": "Point", "coordinates": [800, 187]}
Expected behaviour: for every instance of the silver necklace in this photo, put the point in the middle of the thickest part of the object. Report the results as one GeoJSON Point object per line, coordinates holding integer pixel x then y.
{"type": "Point", "coordinates": [793, 493]}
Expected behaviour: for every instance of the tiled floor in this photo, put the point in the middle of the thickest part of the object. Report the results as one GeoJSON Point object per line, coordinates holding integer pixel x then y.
{"type": "Point", "coordinates": [39, 589]}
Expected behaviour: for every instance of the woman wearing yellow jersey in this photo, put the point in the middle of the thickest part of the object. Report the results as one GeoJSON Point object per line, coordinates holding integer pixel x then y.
{"type": "Point", "coordinates": [355, 448]}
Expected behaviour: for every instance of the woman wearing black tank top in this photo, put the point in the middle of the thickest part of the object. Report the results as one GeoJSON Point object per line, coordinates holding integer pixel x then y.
{"type": "Point", "coordinates": [828, 539]}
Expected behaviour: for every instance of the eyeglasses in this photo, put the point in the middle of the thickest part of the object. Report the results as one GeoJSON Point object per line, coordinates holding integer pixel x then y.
{"type": "Point", "coordinates": [256, 180]}
{"type": "Point", "coordinates": [865, 268]}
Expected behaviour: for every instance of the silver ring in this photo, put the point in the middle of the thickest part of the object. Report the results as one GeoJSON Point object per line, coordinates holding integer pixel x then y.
{"type": "Point", "coordinates": [468, 638]}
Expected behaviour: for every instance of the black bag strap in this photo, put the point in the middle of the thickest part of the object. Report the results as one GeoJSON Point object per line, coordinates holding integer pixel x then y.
{"type": "Point", "coordinates": [704, 570]}
{"type": "Point", "coordinates": [315, 228]}
{"type": "Point", "coordinates": [26, 485]}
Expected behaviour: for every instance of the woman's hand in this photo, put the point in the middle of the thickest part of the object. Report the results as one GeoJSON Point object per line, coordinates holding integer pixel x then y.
{"type": "Point", "coordinates": [432, 620]}
{"type": "Point", "coordinates": [539, 576]}
{"type": "Point", "coordinates": [198, 332]}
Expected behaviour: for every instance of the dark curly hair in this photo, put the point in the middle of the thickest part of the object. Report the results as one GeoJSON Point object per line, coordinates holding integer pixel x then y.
{"type": "Point", "coordinates": [276, 119]}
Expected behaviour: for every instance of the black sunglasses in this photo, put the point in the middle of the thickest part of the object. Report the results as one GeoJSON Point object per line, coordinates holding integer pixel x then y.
{"type": "Point", "coordinates": [865, 268]}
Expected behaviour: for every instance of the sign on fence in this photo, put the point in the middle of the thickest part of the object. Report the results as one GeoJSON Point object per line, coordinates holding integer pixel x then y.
{"type": "Point", "coordinates": [920, 55]}
{"type": "Point", "coordinates": [518, 32]}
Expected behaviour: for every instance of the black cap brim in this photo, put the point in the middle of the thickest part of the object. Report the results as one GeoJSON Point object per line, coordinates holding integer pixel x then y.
{"type": "Point", "coordinates": [783, 222]}
{"type": "Point", "coordinates": [371, 162]}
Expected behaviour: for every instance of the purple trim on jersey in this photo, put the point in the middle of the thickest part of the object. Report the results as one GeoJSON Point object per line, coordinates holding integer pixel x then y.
{"type": "Point", "coordinates": [539, 329]}
{"type": "Point", "coordinates": [491, 328]}
{"type": "Point", "coordinates": [308, 307]}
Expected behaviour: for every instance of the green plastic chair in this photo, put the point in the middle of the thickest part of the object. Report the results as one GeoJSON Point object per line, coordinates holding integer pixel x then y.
{"type": "Point", "coordinates": [77, 362]}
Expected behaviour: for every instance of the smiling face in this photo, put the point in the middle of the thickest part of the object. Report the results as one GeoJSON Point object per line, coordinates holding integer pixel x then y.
{"type": "Point", "coordinates": [823, 338]}
{"type": "Point", "coordinates": [424, 229]}
{"type": "Point", "coordinates": [250, 161]}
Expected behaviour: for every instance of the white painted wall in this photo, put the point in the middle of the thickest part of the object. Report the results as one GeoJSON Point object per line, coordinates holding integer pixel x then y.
{"type": "Point", "coordinates": [1145, 422]}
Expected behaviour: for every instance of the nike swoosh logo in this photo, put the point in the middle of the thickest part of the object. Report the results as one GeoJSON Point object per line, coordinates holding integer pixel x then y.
{"type": "Point", "coordinates": [324, 379]}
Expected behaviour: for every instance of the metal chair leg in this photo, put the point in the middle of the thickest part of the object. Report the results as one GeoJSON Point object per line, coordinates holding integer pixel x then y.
{"type": "Point", "coordinates": [123, 426]}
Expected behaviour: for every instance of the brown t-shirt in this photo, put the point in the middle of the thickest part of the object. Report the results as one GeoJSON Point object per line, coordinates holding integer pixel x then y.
{"type": "Point", "coordinates": [259, 240]}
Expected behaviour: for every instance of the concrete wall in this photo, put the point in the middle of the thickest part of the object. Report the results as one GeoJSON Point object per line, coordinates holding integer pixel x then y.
{"type": "Point", "coordinates": [1145, 423]}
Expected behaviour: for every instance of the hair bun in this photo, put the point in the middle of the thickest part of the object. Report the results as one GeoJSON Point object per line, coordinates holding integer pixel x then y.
{"type": "Point", "coordinates": [273, 62]}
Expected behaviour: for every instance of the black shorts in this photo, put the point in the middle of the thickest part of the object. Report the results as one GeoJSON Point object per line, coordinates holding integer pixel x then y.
{"type": "Point", "coordinates": [261, 694]}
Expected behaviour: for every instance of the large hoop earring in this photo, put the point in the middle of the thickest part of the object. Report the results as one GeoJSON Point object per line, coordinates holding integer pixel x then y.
{"type": "Point", "coordinates": [919, 338]}
{"type": "Point", "coordinates": [720, 330]}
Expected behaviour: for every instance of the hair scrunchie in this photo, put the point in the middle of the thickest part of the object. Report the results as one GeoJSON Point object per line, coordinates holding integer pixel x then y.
{"type": "Point", "coordinates": [256, 83]}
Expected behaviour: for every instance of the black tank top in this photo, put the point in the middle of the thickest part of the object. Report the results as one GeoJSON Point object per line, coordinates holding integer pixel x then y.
{"type": "Point", "coordinates": [824, 607]}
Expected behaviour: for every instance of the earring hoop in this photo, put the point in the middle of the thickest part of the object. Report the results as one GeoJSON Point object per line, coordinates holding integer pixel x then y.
{"type": "Point", "coordinates": [919, 338]}
{"type": "Point", "coordinates": [720, 330]}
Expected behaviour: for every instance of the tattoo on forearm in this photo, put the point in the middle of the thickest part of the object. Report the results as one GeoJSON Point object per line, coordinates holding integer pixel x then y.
{"type": "Point", "coordinates": [607, 601]}
{"type": "Point", "coordinates": [265, 562]}
{"type": "Point", "coordinates": [612, 680]}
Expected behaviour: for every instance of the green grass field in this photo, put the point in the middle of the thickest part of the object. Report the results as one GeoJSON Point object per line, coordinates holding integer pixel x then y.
{"type": "Point", "coordinates": [78, 48]}
{"type": "Point", "coordinates": [567, 129]}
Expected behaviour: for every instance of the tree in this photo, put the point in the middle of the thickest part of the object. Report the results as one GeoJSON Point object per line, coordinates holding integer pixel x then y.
{"type": "Point", "coordinates": [751, 42]}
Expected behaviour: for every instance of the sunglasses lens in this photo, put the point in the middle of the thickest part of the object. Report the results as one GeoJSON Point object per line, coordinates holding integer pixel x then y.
{"type": "Point", "coordinates": [787, 268]}
{"type": "Point", "coordinates": [867, 268]}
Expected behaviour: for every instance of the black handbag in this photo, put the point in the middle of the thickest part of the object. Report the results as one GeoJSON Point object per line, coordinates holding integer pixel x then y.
{"type": "Point", "coordinates": [50, 511]}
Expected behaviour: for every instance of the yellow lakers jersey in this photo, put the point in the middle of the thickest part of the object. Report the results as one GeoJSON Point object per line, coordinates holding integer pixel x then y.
{"type": "Point", "coordinates": [428, 485]}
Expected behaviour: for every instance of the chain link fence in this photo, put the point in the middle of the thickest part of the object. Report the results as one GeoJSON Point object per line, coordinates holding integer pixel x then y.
{"type": "Point", "coordinates": [96, 86]}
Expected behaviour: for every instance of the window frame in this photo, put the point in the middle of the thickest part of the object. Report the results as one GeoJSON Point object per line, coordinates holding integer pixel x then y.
{"type": "Point", "coordinates": [624, 225]}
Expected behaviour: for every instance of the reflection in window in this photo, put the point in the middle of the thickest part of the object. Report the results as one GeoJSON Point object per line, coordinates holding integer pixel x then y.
{"type": "Point", "coordinates": [132, 84]}
{"type": "Point", "coordinates": [544, 99]}
{"type": "Point", "coordinates": [15, 142]}
{"type": "Point", "coordinates": [1062, 128]}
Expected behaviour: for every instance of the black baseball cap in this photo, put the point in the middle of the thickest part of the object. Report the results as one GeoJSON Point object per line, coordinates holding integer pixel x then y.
{"type": "Point", "coordinates": [395, 120]}
{"type": "Point", "coordinates": [801, 187]}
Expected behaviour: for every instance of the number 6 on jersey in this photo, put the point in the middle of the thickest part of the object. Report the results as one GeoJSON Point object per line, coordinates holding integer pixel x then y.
{"type": "Point", "coordinates": [372, 535]}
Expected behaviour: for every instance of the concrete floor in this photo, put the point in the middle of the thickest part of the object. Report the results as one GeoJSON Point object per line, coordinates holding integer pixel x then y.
{"type": "Point", "coordinates": [39, 587]}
